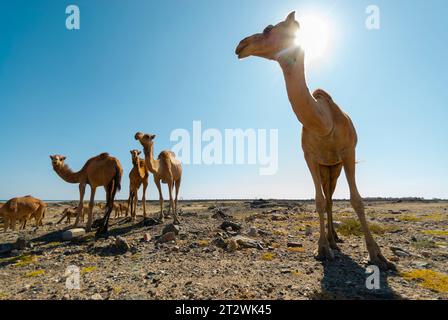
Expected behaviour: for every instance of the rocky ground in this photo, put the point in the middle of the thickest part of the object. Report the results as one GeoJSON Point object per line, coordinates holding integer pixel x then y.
{"type": "Point", "coordinates": [231, 250]}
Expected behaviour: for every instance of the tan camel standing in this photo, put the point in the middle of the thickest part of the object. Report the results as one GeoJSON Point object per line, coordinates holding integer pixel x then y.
{"type": "Point", "coordinates": [137, 177]}
{"type": "Point", "coordinates": [21, 209]}
{"type": "Point", "coordinates": [100, 171]}
{"type": "Point", "coordinates": [328, 136]}
{"type": "Point", "coordinates": [166, 169]}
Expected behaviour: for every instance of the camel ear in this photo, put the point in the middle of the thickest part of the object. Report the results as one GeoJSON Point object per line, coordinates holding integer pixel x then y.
{"type": "Point", "coordinates": [63, 158]}
{"type": "Point", "coordinates": [152, 136]}
{"type": "Point", "coordinates": [291, 17]}
{"type": "Point", "coordinates": [51, 157]}
{"type": "Point", "coordinates": [139, 152]}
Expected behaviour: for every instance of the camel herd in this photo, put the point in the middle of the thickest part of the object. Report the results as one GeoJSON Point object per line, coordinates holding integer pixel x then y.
{"type": "Point", "coordinates": [104, 171]}
{"type": "Point", "coordinates": [329, 141]}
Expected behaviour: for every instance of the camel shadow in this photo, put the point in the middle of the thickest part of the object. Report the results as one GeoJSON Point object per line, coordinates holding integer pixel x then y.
{"type": "Point", "coordinates": [344, 279]}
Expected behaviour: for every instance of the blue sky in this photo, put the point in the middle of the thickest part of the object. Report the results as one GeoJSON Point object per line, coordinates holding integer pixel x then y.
{"type": "Point", "coordinates": [156, 66]}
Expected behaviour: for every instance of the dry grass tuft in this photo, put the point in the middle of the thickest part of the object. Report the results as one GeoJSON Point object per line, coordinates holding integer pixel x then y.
{"type": "Point", "coordinates": [35, 273]}
{"type": "Point", "coordinates": [268, 256]}
{"type": "Point", "coordinates": [351, 226]}
{"type": "Point", "coordinates": [438, 233]}
{"type": "Point", "coordinates": [88, 269]}
{"type": "Point", "coordinates": [429, 279]}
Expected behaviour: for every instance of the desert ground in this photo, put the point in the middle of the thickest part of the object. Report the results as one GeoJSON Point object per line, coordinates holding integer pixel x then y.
{"type": "Point", "coordinates": [254, 249]}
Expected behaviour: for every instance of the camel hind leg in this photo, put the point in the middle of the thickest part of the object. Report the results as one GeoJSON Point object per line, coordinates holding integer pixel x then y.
{"type": "Point", "coordinates": [376, 257]}
{"type": "Point", "coordinates": [177, 187]}
{"type": "Point", "coordinates": [329, 177]}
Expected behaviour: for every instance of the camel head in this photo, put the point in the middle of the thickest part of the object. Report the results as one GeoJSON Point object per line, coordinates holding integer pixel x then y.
{"type": "Point", "coordinates": [272, 41]}
{"type": "Point", "coordinates": [145, 139]}
{"type": "Point", "coordinates": [57, 161]}
{"type": "Point", "coordinates": [135, 156]}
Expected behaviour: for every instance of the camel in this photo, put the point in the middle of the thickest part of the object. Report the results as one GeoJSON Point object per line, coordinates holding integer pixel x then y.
{"type": "Point", "coordinates": [21, 209]}
{"type": "Point", "coordinates": [100, 171]}
{"type": "Point", "coordinates": [328, 135]}
{"type": "Point", "coordinates": [137, 177]}
{"type": "Point", "coordinates": [166, 169]}
{"type": "Point", "coordinates": [118, 208]}
{"type": "Point", "coordinates": [72, 212]}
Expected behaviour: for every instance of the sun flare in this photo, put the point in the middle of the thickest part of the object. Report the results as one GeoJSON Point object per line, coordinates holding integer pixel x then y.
{"type": "Point", "coordinates": [313, 37]}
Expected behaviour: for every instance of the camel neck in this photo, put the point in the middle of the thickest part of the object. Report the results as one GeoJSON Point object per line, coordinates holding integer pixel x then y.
{"type": "Point", "coordinates": [149, 158]}
{"type": "Point", "coordinates": [68, 175]}
{"type": "Point", "coordinates": [303, 103]}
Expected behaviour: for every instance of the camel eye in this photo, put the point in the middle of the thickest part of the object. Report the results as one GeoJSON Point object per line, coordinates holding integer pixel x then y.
{"type": "Point", "coordinates": [268, 29]}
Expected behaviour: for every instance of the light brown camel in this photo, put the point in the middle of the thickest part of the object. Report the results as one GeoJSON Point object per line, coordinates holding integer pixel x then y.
{"type": "Point", "coordinates": [22, 209]}
{"type": "Point", "coordinates": [100, 171]}
{"type": "Point", "coordinates": [166, 169]}
{"type": "Point", "coordinates": [72, 212]}
{"type": "Point", "coordinates": [137, 177]}
{"type": "Point", "coordinates": [328, 136]}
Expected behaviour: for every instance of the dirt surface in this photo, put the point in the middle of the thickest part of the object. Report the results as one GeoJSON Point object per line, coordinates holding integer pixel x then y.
{"type": "Point", "coordinates": [201, 264]}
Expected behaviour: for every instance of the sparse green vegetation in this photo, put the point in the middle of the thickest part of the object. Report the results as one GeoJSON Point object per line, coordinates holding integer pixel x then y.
{"type": "Point", "coordinates": [19, 261]}
{"type": "Point", "coordinates": [268, 256]}
{"type": "Point", "coordinates": [88, 269]}
{"type": "Point", "coordinates": [351, 226]}
{"type": "Point", "coordinates": [424, 244]}
{"type": "Point", "coordinates": [439, 233]}
{"type": "Point", "coordinates": [429, 279]}
{"type": "Point", "coordinates": [35, 273]}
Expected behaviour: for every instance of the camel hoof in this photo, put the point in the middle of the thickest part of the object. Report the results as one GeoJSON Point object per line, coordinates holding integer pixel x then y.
{"type": "Point", "coordinates": [381, 262]}
{"type": "Point", "coordinates": [324, 253]}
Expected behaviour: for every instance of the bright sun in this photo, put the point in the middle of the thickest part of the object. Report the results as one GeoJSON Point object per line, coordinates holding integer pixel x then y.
{"type": "Point", "coordinates": [313, 37]}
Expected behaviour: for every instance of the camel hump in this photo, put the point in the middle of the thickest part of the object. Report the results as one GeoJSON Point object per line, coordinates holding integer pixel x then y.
{"type": "Point", "coordinates": [103, 155]}
{"type": "Point", "coordinates": [322, 94]}
{"type": "Point", "coordinates": [166, 155]}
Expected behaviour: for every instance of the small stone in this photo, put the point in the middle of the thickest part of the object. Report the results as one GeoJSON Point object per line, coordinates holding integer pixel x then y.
{"type": "Point", "coordinates": [122, 245]}
{"type": "Point", "coordinates": [421, 264]}
{"type": "Point", "coordinates": [400, 252]}
{"type": "Point", "coordinates": [146, 237]}
{"type": "Point", "coordinates": [232, 245]}
{"type": "Point", "coordinates": [21, 243]}
{"type": "Point", "coordinates": [73, 233]}
{"type": "Point", "coordinates": [167, 237]}
{"type": "Point", "coordinates": [279, 217]}
{"type": "Point", "coordinates": [230, 225]}
{"type": "Point", "coordinates": [6, 248]}
{"type": "Point", "coordinates": [295, 245]}
{"type": "Point", "coordinates": [219, 242]}
{"type": "Point", "coordinates": [96, 296]}
{"type": "Point", "coordinates": [253, 232]}
{"type": "Point", "coordinates": [171, 228]}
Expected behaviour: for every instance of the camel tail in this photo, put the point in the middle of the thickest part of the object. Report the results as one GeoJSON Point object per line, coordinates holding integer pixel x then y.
{"type": "Point", "coordinates": [117, 180]}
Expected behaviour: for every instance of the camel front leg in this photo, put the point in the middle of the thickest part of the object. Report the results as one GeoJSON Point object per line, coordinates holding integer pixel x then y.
{"type": "Point", "coordinates": [170, 188]}
{"type": "Point", "coordinates": [177, 186]}
{"type": "Point", "coordinates": [162, 218]}
{"type": "Point", "coordinates": [91, 205]}
{"type": "Point", "coordinates": [134, 210]}
{"type": "Point", "coordinates": [145, 185]}
{"type": "Point", "coordinates": [323, 251]}
{"type": "Point", "coordinates": [79, 210]}
{"type": "Point", "coordinates": [375, 254]}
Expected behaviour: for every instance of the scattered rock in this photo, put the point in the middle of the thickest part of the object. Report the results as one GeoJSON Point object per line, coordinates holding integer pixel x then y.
{"type": "Point", "coordinates": [228, 224]}
{"type": "Point", "coordinates": [400, 252]}
{"type": "Point", "coordinates": [421, 264]}
{"type": "Point", "coordinates": [21, 243]}
{"type": "Point", "coordinates": [232, 245]}
{"type": "Point", "coordinates": [73, 233]}
{"type": "Point", "coordinates": [295, 245]}
{"type": "Point", "coordinates": [253, 232]}
{"type": "Point", "coordinates": [146, 237]}
{"type": "Point", "coordinates": [96, 296]}
{"type": "Point", "coordinates": [171, 228]}
{"type": "Point", "coordinates": [220, 242]}
{"type": "Point", "coordinates": [220, 214]}
{"type": "Point", "coordinates": [122, 245]}
{"type": "Point", "coordinates": [245, 242]}
{"type": "Point", "coordinates": [167, 237]}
